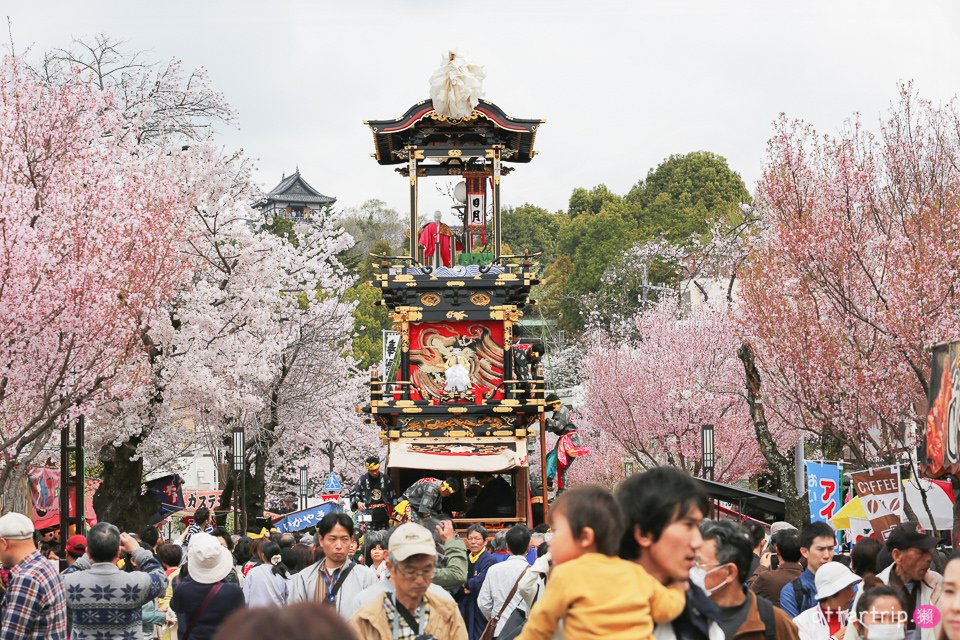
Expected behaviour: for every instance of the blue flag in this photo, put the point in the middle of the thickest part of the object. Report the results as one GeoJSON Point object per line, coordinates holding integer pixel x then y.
{"type": "Point", "coordinates": [823, 489]}
{"type": "Point", "coordinates": [169, 490]}
{"type": "Point", "coordinates": [299, 520]}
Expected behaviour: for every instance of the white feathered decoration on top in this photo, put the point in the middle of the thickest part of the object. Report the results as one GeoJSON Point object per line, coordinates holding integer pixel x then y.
{"type": "Point", "coordinates": [456, 87]}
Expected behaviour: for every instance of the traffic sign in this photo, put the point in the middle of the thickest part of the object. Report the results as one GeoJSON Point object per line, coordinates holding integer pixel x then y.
{"type": "Point", "coordinates": [332, 485]}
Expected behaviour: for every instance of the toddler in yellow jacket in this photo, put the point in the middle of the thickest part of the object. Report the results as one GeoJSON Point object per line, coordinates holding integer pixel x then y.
{"type": "Point", "coordinates": [595, 593]}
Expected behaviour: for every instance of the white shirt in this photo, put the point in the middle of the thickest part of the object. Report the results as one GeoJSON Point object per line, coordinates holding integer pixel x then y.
{"type": "Point", "coordinates": [496, 587]}
{"type": "Point", "coordinates": [264, 588]}
{"type": "Point", "coordinates": [812, 624]}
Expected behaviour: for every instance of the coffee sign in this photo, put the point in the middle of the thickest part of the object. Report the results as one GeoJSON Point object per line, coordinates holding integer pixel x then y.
{"type": "Point", "coordinates": [881, 494]}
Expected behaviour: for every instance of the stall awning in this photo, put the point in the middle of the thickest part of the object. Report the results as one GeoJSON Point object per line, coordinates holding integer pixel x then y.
{"type": "Point", "coordinates": [476, 454]}
{"type": "Point", "coordinates": [748, 500]}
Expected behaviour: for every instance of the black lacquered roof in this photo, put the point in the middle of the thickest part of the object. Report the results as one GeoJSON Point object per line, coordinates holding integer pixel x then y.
{"type": "Point", "coordinates": [422, 127]}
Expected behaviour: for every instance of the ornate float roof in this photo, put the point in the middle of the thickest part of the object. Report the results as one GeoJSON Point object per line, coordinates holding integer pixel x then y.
{"type": "Point", "coordinates": [293, 189]}
{"type": "Point", "coordinates": [422, 127]}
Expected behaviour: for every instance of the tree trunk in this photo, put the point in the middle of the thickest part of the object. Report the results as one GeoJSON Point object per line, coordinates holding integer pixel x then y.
{"type": "Point", "coordinates": [795, 504]}
{"type": "Point", "coordinates": [256, 481]}
{"type": "Point", "coordinates": [118, 500]}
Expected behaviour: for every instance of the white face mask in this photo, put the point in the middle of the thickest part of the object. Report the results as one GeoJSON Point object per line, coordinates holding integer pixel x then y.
{"type": "Point", "coordinates": [698, 578]}
{"type": "Point", "coordinates": [884, 631]}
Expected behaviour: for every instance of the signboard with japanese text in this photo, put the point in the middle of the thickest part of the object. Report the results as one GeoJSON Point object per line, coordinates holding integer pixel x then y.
{"type": "Point", "coordinates": [823, 489]}
{"type": "Point", "coordinates": [193, 500]}
{"type": "Point", "coordinates": [300, 520]}
{"type": "Point", "coordinates": [391, 343]}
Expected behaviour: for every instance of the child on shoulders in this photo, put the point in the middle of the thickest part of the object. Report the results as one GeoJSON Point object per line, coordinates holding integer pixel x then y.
{"type": "Point", "coordinates": [595, 593]}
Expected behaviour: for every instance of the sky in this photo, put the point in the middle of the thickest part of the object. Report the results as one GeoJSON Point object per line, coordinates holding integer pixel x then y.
{"type": "Point", "coordinates": [622, 85]}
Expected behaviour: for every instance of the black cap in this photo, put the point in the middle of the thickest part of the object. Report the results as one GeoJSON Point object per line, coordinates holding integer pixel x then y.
{"type": "Point", "coordinates": [907, 535]}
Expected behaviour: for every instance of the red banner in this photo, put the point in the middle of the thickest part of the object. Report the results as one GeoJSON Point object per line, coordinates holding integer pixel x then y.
{"type": "Point", "coordinates": [45, 497]}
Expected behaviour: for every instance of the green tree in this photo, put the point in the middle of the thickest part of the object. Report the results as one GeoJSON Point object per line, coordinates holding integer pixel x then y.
{"type": "Point", "coordinates": [686, 194]}
{"type": "Point", "coordinates": [371, 222]}
{"type": "Point", "coordinates": [369, 317]}
{"type": "Point", "coordinates": [533, 228]}
{"type": "Point", "coordinates": [593, 243]}
{"type": "Point", "coordinates": [591, 200]}
{"type": "Point", "coordinates": [282, 227]}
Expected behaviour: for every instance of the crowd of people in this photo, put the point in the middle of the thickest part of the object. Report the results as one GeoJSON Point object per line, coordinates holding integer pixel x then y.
{"type": "Point", "coordinates": [643, 562]}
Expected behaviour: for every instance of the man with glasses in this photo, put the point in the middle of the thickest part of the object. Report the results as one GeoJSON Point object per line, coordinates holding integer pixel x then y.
{"type": "Point", "coordinates": [721, 569]}
{"type": "Point", "coordinates": [817, 541]}
{"type": "Point", "coordinates": [410, 611]}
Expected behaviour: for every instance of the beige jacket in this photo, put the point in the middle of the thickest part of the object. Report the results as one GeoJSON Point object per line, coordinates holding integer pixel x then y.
{"type": "Point", "coordinates": [370, 621]}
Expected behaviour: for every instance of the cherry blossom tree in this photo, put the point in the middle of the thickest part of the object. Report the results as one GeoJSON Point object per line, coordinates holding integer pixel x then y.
{"type": "Point", "coordinates": [855, 274]}
{"type": "Point", "coordinates": [89, 227]}
{"type": "Point", "coordinates": [652, 396]}
{"type": "Point", "coordinates": [223, 352]}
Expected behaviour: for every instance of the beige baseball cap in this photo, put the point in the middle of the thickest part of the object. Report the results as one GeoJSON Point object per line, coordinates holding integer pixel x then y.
{"type": "Point", "coordinates": [411, 539]}
{"type": "Point", "coordinates": [16, 526]}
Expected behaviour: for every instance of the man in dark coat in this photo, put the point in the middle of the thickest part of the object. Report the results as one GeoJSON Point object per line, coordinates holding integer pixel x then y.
{"type": "Point", "coordinates": [373, 495]}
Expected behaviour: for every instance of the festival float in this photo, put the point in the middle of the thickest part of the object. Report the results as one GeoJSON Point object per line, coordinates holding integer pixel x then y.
{"type": "Point", "coordinates": [464, 396]}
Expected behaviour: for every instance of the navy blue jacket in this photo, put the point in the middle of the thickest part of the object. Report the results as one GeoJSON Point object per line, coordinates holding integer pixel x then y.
{"type": "Point", "coordinates": [476, 572]}
{"type": "Point", "coordinates": [187, 598]}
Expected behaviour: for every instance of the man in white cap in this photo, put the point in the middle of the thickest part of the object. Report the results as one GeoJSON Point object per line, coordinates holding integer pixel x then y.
{"type": "Point", "coordinates": [105, 602]}
{"type": "Point", "coordinates": [410, 610]}
{"type": "Point", "coordinates": [834, 596]}
{"type": "Point", "coordinates": [34, 607]}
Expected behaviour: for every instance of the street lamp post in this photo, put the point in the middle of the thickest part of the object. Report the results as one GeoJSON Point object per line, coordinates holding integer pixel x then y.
{"type": "Point", "coordinates": [239, 459]}
{"type": "Point", "coordinates": [304, 486]}
{"type": "Point", "coordinates": [708, 459]}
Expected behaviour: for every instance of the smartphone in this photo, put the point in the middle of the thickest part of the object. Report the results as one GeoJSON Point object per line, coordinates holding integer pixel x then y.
{"type": "Point", "coordinates": [774, 561]}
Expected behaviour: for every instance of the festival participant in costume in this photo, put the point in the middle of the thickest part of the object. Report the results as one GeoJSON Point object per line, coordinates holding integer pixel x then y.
{"type": "Point", "coordinates": [437, 234]}
{"type": "Point", "coordinates": [373, 494]}
{"type": "Point", "coordinates": [425, 497]}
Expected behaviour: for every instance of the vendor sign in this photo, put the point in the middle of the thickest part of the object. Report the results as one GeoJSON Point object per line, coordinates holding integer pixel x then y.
{"type": "Point", "coordinates": [941, 450]}
{"type": "Point", "coordinates": [193, 500]}
{"type": "Point", "coordinates": [881, 493]}
{"type": "Point", "coordinates": [823, 489]}
{"type": "Point", "coordinates": [300, 520]}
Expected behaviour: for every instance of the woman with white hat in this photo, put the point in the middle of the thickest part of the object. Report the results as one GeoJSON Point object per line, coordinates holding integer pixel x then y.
{"type": "Point", "coordinates": [203, 600]}
{"type": "Point", "coordinates": [828, 620]}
